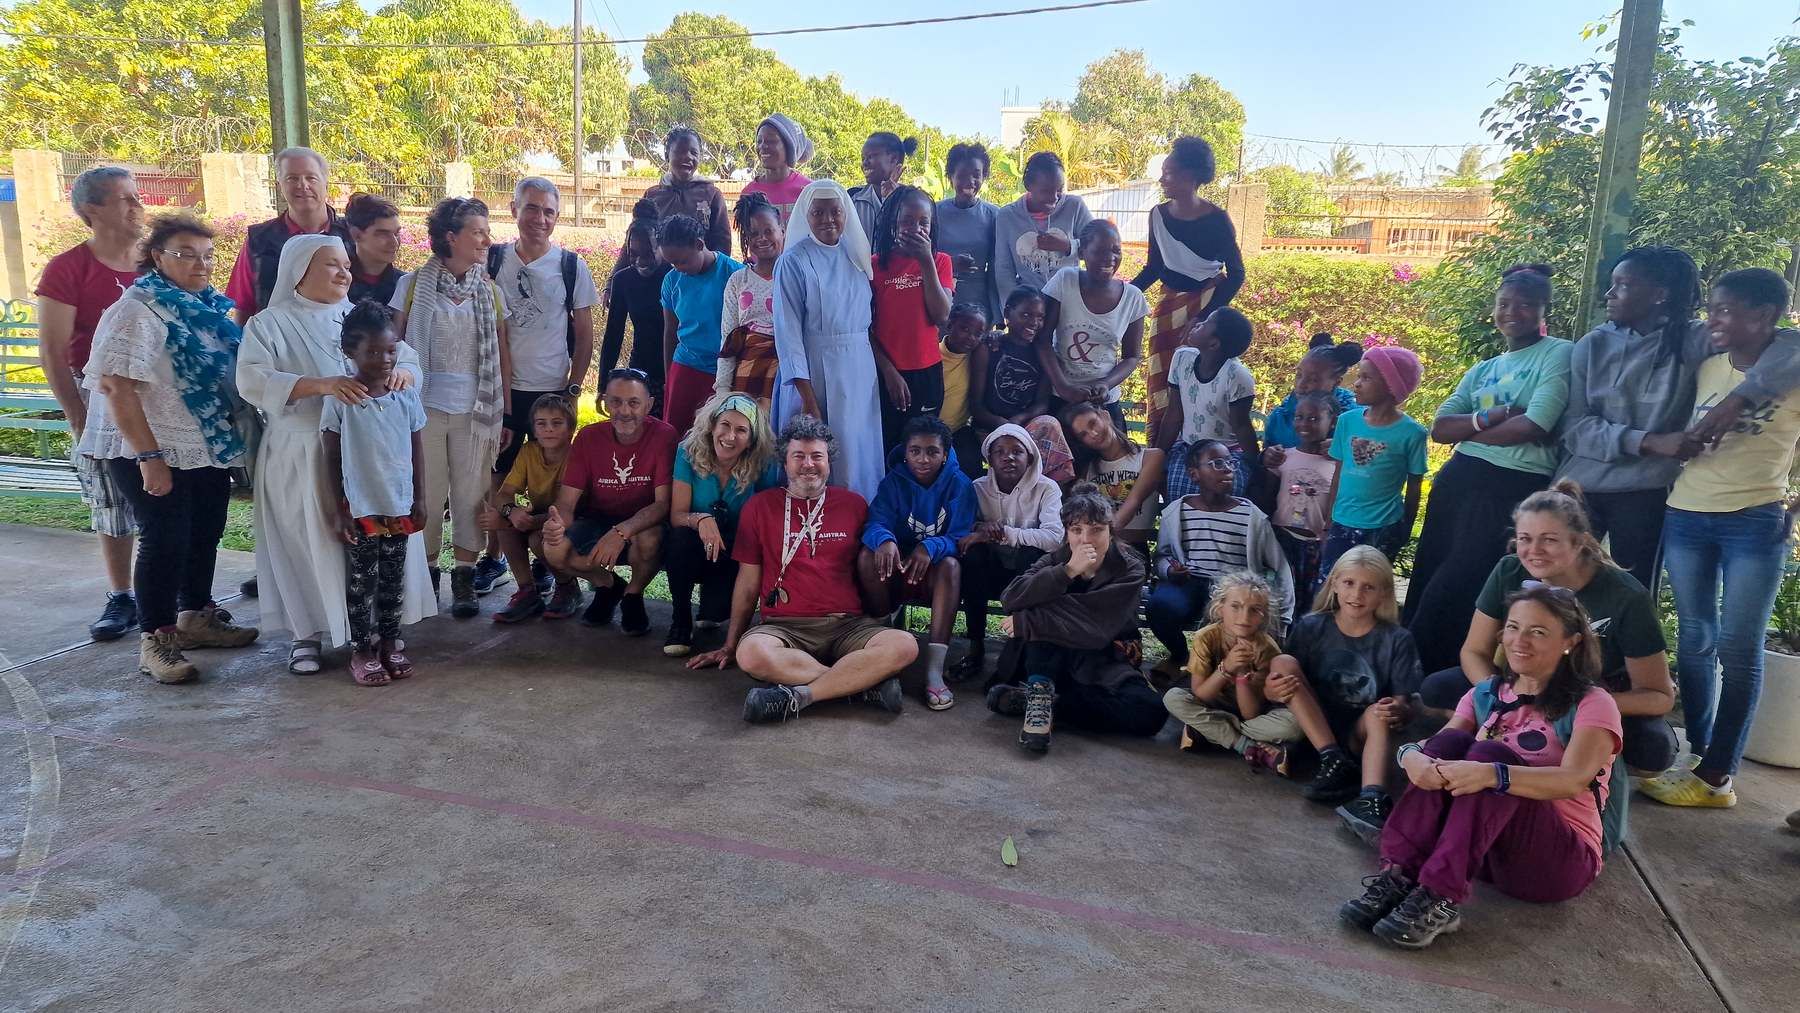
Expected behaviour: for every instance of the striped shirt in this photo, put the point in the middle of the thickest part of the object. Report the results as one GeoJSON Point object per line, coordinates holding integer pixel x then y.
{"type": "Point", "coordinates": [1215, 542]}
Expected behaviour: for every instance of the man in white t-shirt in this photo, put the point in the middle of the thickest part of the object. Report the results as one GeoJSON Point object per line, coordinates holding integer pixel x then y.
{"type": "Point", "coordinates": [550, 295]}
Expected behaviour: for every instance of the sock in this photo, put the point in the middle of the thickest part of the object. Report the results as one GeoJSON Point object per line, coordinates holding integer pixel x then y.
{"type": "Point", "coordinates": [804, 695]}
{"type": "Point", "coordinates": [1333, 750]}
{"type": "Point", "coordinates": [1373, 791]}
{"type": "Point", "coordinates": [1040, 680]}
{"type": "Point", "coordinates": [1242, 743]}
{"type": "Point", "coordinates": [934, 664]}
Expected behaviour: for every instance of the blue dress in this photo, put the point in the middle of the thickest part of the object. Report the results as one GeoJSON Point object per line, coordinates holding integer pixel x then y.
{"type": "Point", "coordinates": [822, 316]}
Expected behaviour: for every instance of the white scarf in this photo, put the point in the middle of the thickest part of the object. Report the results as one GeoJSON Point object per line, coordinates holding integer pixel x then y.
{"type": "Point", "coordinates": [432, 283]}
{"type": "Point", "coordinates": [853, 243]}
{"type": "Point", "coordinates": [1175, 254]}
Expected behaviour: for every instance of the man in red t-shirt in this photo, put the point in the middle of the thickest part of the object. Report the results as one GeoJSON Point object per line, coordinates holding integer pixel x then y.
{"type": "Point", "coordinates": [796, 551]}
{"type": "Point", "coordinates": [78, 285]}
{"type": "Point", "coordinates": [615, 487]}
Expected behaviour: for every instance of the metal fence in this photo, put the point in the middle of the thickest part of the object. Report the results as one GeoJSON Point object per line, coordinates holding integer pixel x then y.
{"type": "Point", "coordinates": [171, 183]}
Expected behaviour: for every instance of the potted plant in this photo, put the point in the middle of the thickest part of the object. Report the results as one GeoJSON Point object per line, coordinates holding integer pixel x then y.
{"type": "Point", "coordinates": [1775, 735]}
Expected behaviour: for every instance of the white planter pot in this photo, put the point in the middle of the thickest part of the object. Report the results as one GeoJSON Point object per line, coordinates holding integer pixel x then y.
{"type": "Point", "coordinates": [1775, 735]}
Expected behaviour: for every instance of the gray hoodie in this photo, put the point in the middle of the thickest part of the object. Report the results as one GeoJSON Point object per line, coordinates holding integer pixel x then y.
{"type": "Point", "coordinates": [1021, 263]}
{"type": "Point", "coordinates": [1262, 553]}
{"type": "Point", "coordinates": [1621, 389]}
{"type": "Point", "coordinates": [1032, 512]}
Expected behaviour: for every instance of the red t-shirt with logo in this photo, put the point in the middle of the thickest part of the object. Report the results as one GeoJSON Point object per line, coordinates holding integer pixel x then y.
{"type": "Point", "coordinates": [902, 329]}
{"type": "Point", "coordinates": [616, 479]}
{"type": "Point", "coordinates": [821, 578]}
{"type": "Point", "coordinates": [75, 277]}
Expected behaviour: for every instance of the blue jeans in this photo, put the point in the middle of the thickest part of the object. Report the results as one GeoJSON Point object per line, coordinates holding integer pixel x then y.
{"type": "Point", "coordinates": [1724, 569]}
{"type": "Point", "coordinates": [1389, 538]}
{"type": "Point", "coordinates": [1173, 607]}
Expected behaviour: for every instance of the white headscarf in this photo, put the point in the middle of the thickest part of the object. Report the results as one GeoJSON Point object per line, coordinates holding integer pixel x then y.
{"type": "Point", "coordinates": [296, 256]}
{"type": "Point", "coordinates": [852, 241]}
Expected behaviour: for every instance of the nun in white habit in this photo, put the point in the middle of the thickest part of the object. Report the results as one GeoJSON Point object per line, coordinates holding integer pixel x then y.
{"type": "Point", "coordinates": [290, 361]}
{"type": "Point", "coordinates": [822, 315]}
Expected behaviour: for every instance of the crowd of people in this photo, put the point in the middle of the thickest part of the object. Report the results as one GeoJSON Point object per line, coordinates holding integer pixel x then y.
{"type": "Point", "coordinates": [886, 401]}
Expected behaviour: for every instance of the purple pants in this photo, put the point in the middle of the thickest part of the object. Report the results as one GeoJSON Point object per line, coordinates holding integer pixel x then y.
{"type": "Point", "coordinates": [1522, 846]}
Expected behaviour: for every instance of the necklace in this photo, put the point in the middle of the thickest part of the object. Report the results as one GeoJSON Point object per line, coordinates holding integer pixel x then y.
{"type": "Point", "coordinates": [791, 540]}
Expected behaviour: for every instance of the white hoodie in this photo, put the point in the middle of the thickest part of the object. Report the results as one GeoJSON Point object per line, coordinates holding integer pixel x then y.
{"type": "Point", "coordinates": [1032, 512]}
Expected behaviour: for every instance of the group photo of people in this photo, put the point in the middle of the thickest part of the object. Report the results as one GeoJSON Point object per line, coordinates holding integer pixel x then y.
{"type": "Point", "coordinates": [843, 410]}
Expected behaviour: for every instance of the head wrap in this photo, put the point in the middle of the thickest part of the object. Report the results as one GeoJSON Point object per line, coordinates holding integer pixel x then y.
{"type": "Point", "coordinates": [1398, 367]}
{"type": "Point", "coordinates": [743, 404]}
{"type": "Point", "coordinates": [296, 256]}
{"type": "Point", "coordinates": [799, 146]}
{"type": "Point", "coordinates": [852, 241]}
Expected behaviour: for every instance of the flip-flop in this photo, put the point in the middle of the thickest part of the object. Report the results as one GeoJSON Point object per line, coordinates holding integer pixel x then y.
{"type": "Point", "coordinates": [398, 666]}
{"type": "Point", "coordinates": [303, 657]}
{"type": "Point", "coordinates": [366, 669]}
{"type": "Point", "coordinates": [939, 699]}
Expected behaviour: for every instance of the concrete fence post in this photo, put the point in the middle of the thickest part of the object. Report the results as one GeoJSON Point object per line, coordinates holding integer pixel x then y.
{"type": "Point", "coordinates": [459, 179]}
{"type": "Point", "coordinates": [1248, 206]}
{"type": "Point", "coordinates": [235, 183]}
{"type": "Point", "coordinates": [37, 177]}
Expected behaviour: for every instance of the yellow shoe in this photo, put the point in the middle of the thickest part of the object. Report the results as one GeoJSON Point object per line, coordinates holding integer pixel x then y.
{"type": "Point", "coordinates": [1683, 763]}
{"type": "Point", "coordinates": [1686, 789]}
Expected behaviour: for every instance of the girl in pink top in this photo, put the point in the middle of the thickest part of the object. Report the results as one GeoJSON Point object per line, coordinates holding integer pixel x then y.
{"type": "Point", "coordinates": [781, 146]}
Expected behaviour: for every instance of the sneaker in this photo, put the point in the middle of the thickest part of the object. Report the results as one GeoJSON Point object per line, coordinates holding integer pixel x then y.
{"type": "Point", "coordinates": [606, 599]}
{"type": "Point", "coordinates": [1382, 893]}
{"type": "Point", "coordinates": [1040, 717]}
{"type": "Point", "coordinates": [542, 578]}
{"type": "Point", "coordinates": [462, 593]}
{"type": "Point", "coordinates": [1007, 699]}
{"type": "Point", "coordinates": [117, 618]}
{"type": "Point", "coordinates": [160, 658]}
{"type": "Point", "coordinates": [1267, 756]}
{"type": "Point", "coordinates": [633, 620]}
{"type": "Point", "coordinates": [1686, 789]}
{"type": "Point", "coordinates": [1418, 920]}
{"type": "Point", "coordinates": [1335, 780]}
{"type": "Point", "coordinates": [564, 600]}
{"type": "Point", "coordinates": [210, 627]}
{"type": "Point", "coordinates": [766, 704]}
{"type": "Point", "coordinates": [1365, 816]}
{"type": "Point", "coordinates": [490, 573]}
{"type": "Point", "coordinates": [885, 694]}
{"type": "Point", "coordinates": [248, 588]}
{"type": "Point", "coordinates": [524, 604]}
{"type": "Point", "coordinates": [680, 641]}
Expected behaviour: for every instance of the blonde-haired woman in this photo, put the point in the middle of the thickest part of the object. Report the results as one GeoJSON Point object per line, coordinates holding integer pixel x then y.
{"type": "Point", "coordinates": [728, 456]}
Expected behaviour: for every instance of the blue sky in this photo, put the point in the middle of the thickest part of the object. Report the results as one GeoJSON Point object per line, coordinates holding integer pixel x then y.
{"type": "Point", "coordinates": [1399, 72]}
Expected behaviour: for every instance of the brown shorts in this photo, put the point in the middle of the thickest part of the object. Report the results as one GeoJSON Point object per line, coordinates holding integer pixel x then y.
{"type": "Point", "coordinates": [827, 638]}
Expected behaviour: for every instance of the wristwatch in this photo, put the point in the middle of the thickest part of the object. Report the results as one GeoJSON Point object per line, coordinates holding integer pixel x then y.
{"type": "Point", "coordinates": [148, 455]}
{"type": "Point", "coordinates": [506, 509]}
{"type": "Point", "coordinates": [573, 390]}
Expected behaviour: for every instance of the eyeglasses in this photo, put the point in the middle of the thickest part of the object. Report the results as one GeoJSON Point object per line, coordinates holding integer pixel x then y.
{"type": "Point", "coordinates": [629, 373]}
{"type": "Point", "coordinates": [1219, 464]}
{"type": "Point", "coordinates": [1551, 589]}
{"type": "Point", "coordinates": [187, 255]}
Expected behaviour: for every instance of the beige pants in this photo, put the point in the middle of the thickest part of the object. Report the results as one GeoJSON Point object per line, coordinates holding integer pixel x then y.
{"type": "Point", "coordinates": [1222, 728]}
{"type": "Point", "coordinates": [457, 468]}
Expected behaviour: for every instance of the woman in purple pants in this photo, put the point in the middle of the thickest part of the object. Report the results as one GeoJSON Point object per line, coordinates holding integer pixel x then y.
{"type": "Point", "coordinates": [1511, 791]}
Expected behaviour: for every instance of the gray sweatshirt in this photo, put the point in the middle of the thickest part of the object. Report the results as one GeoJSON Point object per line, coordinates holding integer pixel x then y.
{"type": "Point", "coordinates": [970, 231]}
{"type": "Point", "coordinates": [1014, 266]}
{"type": "Point", "coordinates": [1622, 389]}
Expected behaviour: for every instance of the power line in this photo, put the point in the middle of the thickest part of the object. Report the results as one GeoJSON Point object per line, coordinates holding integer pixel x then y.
{"type": "Point", "coordinates": [1370, 144]}
{"type": "Point", "coordinates": [557, 44]}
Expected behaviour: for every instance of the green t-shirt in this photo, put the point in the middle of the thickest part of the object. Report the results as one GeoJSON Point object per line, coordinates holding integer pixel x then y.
{"type": "Point", "coordinates": [1622, 611]}
{"type": "Point", "coordinates": [1535, 378]}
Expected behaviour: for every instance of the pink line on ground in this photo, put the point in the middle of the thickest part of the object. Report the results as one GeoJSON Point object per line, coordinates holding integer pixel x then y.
{"type": "Point", "coordinates": [1245, 942]}
{"type": "Point", "coordinates": [179, 802]}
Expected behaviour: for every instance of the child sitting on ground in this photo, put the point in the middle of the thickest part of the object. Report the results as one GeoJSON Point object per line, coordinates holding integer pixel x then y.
{"type": "Point", "coordinates": [536, 476]}
{"type": "Point", "coordinates": [923, 508]}
{"type": "Point", "coordinates": [1018, 519]}
{"type": "Point", "coordinates": [1294, 485]}
{"type": "Point", "coordinates": [1363, 668]}
{"type": "Point", "coordinates": [377, 465]}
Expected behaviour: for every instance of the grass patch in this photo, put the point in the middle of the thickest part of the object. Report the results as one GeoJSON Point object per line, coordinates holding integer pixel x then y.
{"type": "Point", "coordinates": [72, 515]}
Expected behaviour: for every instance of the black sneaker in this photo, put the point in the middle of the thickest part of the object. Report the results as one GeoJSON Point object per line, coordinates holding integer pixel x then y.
{"type": "Point", "coordinates": [1335, 780]}
{"type": "Point", "coordinates": [680, 641]}
{"type": "Point", "coordinates": [118, 618]}
{"type": "Point", "coordinates": [767, 704]}
{"type": "Point", "coordinates": [490, 573]}
{"type": "Point", "coordinates": [1365, 816]}
{"type": "Point", "coordinates": [542, 578]}
{"type": "Point", "coordinates": [1007, 699]}
{"type": "Point", "coordinates": [606, 599]}
{"type": "Point", "coordinates": [1419, 920]}
{"type": "Point", "coordinates": [885, 694]}
{"type": "Point", "coordinates": [462, 593]}
{"type": "Point", "coordinates": [1040, 714]}
{"type": "Point", "coordinates": [633, 619]}
{"type": "Point", "coordinates": [248, 588]}
{"type": "Point", "coordinates": [1382, 893]}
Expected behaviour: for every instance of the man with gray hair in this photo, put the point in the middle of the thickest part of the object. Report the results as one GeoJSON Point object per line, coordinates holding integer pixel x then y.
{"type": "Point", "coordinates": [78, 285]}
{"type": "Point", "coordinates": [550, 296]}
{"type": "Point", "coordinates": [300, 174]}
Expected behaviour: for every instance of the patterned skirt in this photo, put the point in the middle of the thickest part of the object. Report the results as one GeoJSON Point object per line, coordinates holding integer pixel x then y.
{"type": "Point", "coordinates": [1174, 313]}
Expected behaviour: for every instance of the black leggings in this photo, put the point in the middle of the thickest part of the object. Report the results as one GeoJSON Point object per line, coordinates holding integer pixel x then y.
{"type": "Point", "coordinates": [1650, 743]}
{"type": "Point", "coordinates": [925, 388]}
{"type": "Point", "coordinates": [685, 562]}
{"type": "Point", "coordinates": [1632, 524]}
{"type": "Point", "coordinates": [178, 539]}
{"type": "Point", "coordinates": [1130, 708]}
{"type": "Point", "coordinates": [376, 584]}
{"type": "Point", "coordinates": [986, 570]}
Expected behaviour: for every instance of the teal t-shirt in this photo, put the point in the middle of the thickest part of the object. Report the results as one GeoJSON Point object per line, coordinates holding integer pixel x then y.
{"type": "Point", "coordinates": [698, 300]}
{"type": "Point", "coordinates": [716, 494]}
{"type": "Point", "coordinates": [1536, 378]}
{"type": "Point", "coordinates": [1376, 462]}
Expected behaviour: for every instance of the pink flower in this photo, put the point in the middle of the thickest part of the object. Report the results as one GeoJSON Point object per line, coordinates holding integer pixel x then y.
{"type": "Point", "coordinates": [1405, 274]}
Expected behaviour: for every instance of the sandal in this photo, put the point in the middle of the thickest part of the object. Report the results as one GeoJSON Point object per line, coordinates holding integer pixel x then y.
{"type": "Point", "coordinates": [366, 669]}
{"type": "Point", "coordinates": [939, 699]}
{"type": "Point", "coordinates": [303, 657]}
{"type": "Point", "coordinates": [398, 666]}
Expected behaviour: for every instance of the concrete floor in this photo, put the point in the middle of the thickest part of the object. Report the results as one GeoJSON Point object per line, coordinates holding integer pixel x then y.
{"type": "Point", "coordinates": [528, 827]}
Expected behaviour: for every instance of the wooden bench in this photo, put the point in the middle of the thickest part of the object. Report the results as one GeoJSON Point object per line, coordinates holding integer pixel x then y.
{"type": "Point", "coordinates": [26, 403]}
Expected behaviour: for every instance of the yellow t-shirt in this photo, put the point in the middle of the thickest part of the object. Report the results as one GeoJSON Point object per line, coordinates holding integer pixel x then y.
{"type": "Point", "coordinates": [1211, 645]}
{"type": "Point", "coordinates": [1751, 465]}
{"type": "Point", "coordinates": [534, 478]}
{"type": "Point", "coordinates": [955, 412]}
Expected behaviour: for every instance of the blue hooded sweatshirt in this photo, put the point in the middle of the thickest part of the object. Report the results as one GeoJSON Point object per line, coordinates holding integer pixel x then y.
{"type": "Point", "coordinates": [907, 513]}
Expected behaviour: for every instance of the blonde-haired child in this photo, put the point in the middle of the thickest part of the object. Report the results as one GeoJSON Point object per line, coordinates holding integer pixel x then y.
{"type": "Point", "coordinates": [1363, 669]}
{"type": "Point", "coordinates": [1234, 700]}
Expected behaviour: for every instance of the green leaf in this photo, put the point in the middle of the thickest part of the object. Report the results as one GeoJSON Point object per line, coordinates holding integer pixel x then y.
{"type": "Point", "coordinates": [1009, 852]}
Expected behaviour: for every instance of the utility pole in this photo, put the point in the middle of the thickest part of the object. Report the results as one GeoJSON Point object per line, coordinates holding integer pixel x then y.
{"type": "Point", "coordinates": [578, 144]}
{"type": "Point", "coordinates": [1609, 230]}
{"type": "Point", "coordinates": [286, 52]}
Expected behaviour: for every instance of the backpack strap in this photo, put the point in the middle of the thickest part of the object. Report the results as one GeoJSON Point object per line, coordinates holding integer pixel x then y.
{"type": "Point", "coordinates": [1612, 811]}
{"type": "Point", "coordinates": [568, 280]}
{"type": "Point", "coordinates": [496, 256]}
{"type": "Point", "coordinates": [1487, 693]}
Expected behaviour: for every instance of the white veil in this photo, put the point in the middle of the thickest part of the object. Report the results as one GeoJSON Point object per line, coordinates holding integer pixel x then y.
{"type": "Point", "coordinates": [853, 242]}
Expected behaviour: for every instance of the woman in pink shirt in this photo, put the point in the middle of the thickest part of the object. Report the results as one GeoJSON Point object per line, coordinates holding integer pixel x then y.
{"type": "Point", "coordinates": [781, 147]}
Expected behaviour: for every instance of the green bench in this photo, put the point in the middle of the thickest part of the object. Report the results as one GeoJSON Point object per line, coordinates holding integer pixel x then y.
{"type": "Point", "coordinates": [26, 403]}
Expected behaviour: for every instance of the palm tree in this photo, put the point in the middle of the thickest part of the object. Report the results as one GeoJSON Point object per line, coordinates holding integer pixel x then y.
{"type": "Point", "coordinates": [1471, 168]}
{"type": "Point", "coordinates": [1087, 150]}
{"type": "Point", "coordinates": [1342, 165]}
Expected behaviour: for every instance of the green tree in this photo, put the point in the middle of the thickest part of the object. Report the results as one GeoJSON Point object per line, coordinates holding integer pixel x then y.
{"type": "Point", "coordinates": [1089, 153]}
{"type": "Point", "coordinates": [1143, 112]}
{"type": "Point", "coordinates": [1342, 164]}
{"type": "Point", "coordinates": [1298, 204]}
{"type": "Point", "coordinates": [1472, 168]}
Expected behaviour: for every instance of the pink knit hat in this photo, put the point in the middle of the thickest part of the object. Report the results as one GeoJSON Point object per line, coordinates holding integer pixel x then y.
{"type": "Point", "coordinates": [1399, 367]}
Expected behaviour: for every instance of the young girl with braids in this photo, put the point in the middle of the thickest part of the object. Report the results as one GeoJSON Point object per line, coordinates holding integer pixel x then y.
{"type": "Point", "coordinates": [747, 317]}
{"type": "Point", "coordinates": [911, 303]}
{"type": "Point", "coordinates": [693, 299]}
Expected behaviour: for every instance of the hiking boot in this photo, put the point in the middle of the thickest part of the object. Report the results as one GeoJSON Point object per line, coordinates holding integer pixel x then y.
{"type": "Point", "coordinates": [767, 704]}
{"type": "Point", "coordinates": [885, 694]}
{"type": "Point", "coordinates": [542, 578]}
{"type": "Point", "coordinates": [563, 601]}
{"type": "Point", "coordinates": [210, 627]}
{"type": "Point", "coordinates": [462, 593]}
{"type": "Point", "coordinates": [1335, 780]}
{"type": "Point", "coordinates": [1040, 715]}
{"type": "Point", "coordinates": [524, 604]}
{"type": "Point", "coordinates": [489, 574]}
{"type": "Point", "coordinates": [1364, 816]}
{"type": "Point", "coordinates": [680, 641]}
{"type": "Point", "coordinates": [159, 657]}
{"type": "Point", "coordinates": [1419, 919]}
{"type": "Point", "coordinates": [248, 588]}
{"type": "Point", "coordinates": [1007, 699]}
{"type": "Point", "coordinates": [1267, 756]}
{"type": "Point", "coordinates": [116, 619]}
{"type": "Point", "coordinates": [633, 619]}
{"type": "Point", "coordinates": [1382, 893]}
{"type": "Point", "coordinates": [606, 599]}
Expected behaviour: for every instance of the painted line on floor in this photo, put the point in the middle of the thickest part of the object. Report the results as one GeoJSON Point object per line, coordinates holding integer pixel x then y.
{"type": "Point", "coordinates": [180, 802]}
{"type": "Point", "coordinates": [1229, 939]}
